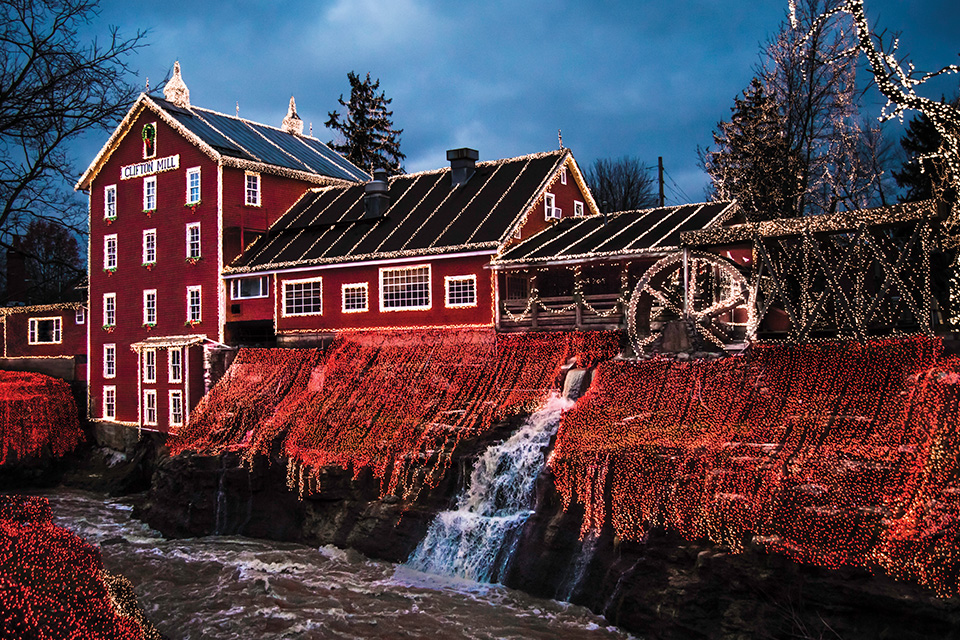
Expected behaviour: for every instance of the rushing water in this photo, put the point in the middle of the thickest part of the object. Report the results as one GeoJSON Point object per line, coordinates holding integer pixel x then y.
{"type": "Point", "coordinates": [231, 587]}
{"type": "Point", "coordinates": [477, 539]}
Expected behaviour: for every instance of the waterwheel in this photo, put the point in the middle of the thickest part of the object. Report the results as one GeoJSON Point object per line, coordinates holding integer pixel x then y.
{"type": "Point", "coordinates": [704, 290]}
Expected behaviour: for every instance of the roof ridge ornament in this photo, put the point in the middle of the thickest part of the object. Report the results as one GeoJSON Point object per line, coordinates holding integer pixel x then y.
{"type": "Point", "coordinates": [292, 122]}
{"type": "Point", "coordinates": [176, 90]}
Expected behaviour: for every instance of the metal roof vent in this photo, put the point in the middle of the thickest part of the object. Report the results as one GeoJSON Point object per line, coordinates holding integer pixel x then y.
{"type": "Point", "coordinates": [463, 162]}
{"type": "Point", "coordinates": [376, 196]}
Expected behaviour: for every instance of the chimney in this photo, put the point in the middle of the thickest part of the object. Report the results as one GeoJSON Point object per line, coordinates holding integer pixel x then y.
{"type": "Point", "coordinates": [16, 275]}
{"type": "Point", "coordinates": [376, 196]}
{"type": "Point", "coordinates": [463, 162]}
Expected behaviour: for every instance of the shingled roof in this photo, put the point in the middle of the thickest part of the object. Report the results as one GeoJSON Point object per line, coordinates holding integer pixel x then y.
{"type": "Point", "coordinates": [427, 215]}
{"type": "Point", "coordinates": [233, 141]}
{"type": "Point", "coordinates": [616, 235]}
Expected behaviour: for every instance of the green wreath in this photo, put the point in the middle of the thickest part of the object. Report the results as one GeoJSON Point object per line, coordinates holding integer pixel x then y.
{"type": "Point", "coordinates": [149, 133]}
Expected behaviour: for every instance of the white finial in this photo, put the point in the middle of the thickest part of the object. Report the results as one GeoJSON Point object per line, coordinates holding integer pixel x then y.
{"type": "Point", "coordinates": [560, 137]}
{"type": "Point", "coordinates": [292, 123]}
{"type": "Point", "coordinates": [311, 129]}
{"type": "Point", "coordinates": [238, 108]}
{"type": "Point", "coordinates": [148, 84]}
{"type": "Point", "coordinates": [176, 90]}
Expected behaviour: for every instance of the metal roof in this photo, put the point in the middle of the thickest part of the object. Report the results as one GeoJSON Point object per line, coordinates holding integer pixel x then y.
{"type": "Point", "coordinates": [426, 216]}
{"type": "Point", "coordinates": [622, 234]}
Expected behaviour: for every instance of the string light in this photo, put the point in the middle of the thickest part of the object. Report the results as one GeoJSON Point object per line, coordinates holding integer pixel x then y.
{"type": "Point", "coordinates": [36, 412]}
{"type": "Point", "coordinates": [833, 454]}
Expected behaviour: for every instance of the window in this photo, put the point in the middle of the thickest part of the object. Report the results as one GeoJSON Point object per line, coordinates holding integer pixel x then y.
{"type": "Point", "coordinates": [517, 288]}
{"type": "Point", "coordinates": [354, 297]}
{"type": "Point", "coordinates": [44, 331]}
{"type": "Point", "coordinates": [407, 288]}
{"type": "Point", "coordinates": [110, 202]}
{"type": "Point", "coordinates": [81, 316]}
{"type": "Point", "coordinates": [149, 136]}
{"type": "Point", "coordinates": [193, 240]}
{"type": "Point", "coordinates": [563, 175]}
{"type": "Point", "coordinates": [150, 307]}
{"type": "Point", "coordinates": [193, 185]}
{"type": "Point", "coordinates": [243, 288]}
{"type": "Point", "coordinates": [303, 297]}
{"type": "Point", "coordinates": [150, 407]}
{"type": "Point", "coordinates": [578, 208]}
{"type": "Point", "coordinates": [109, 309]}
{"type": "Point", "coordinates": [253, 189]}
{"type": "Point", "coordinates": [109, 403]}
{"type": "Point", "coordinates": [176, 408]}
{"type": "Point", "coordinates": [461, 291]}
{"type": "Point", "coordinates": [149, 365]}
{"type": "Point", "coordinates": [174, 365]}
{"type": "Point", "coordinates": [150, 193]}
{"type": "Point", "coordinates": [149, 246]}
{"type": "Point", "coordinates": [552, 212]}
{"type": "Point", "coordinates": [193, 305]}
{"type": "Point", "coordinates": [110, 252]}
{"type": "Point", "coordinates": [109, 361]}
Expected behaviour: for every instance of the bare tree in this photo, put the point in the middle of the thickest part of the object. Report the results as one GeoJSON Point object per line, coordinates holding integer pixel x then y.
{"type": "Point", "coordinates": [621, 184]}
{"type": "Point", "coordinates": [53, 87]}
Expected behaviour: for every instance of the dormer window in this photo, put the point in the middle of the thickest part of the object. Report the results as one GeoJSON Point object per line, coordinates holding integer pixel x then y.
{"type": "Point", "coordinates": [551, 211]}
{"type": "Point", "coordinates": [252, 189]}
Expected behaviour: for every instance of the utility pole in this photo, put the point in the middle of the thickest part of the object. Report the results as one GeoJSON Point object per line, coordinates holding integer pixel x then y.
{"type": "Point", "coordinates": [660, 179]}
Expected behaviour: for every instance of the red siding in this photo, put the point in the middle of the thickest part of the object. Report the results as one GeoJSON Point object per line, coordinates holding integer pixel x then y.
{"type": "Point", "coordinates": [73, 336]}
{"type": "Point", "coordinates": [564, 196]}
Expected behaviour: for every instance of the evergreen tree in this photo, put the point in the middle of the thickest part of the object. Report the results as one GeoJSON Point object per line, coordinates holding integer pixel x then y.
{"type": "Point", "coordinates": [752, 161]}
{"type": "Point", "coordinates": [369, 139]}
{"type": "Point", "coordinates": [919, 173]}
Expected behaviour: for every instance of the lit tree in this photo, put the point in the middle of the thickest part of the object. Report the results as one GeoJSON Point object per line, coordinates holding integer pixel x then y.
{"type": "Point", "coordinates": [369, 139]}
{"type": "Point", "coordinates": [53, 88]}
{"type": "Point", "coordinates": [621, 184]}
{"type": "Point", "coordinates": [751, 161]}
{"type": "Point", "coordinates": [919, 174]}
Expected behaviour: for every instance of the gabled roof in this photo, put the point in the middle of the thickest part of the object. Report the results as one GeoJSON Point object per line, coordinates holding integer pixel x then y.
{"type": "Point", "coordinates": [426, 216]}
{"type": "Point", "coordinates": [235, 142]}
{"type": "Point", "coordinates": [616, 235]}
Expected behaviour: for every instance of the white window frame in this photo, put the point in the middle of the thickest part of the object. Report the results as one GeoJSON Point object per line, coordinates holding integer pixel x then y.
{"type": "Point", "coordinates": [150, 193]}
{"type": "Point", "coordinates": [150, 412]}
{"type": "Point", "coordinates": [563, 175]}
{"type": "Point", "coordinates": [291, 287]}
{"type": "Point", "coordinates": [174, 400]}
{"type": "Point", "coordinates": [149, 366]}
{"type": "Point", "coordinates": [251, 189]}
{"type": "Point", "coordinates": [578, 208]}
{"type": "Point", "coordinates": [110, 360]}
{"type": "Point", "coordinates": [110, 202]}
{"type": "Point", "coordinates": [175, 369]}
{"type": "Point", "coordinates": [550, 210]}
{"type": "Point", "coordinates": [110, 251]}
{"type": "Point", "coordinates": [150, 306]}
{"type": "Point", "coordinates": [193, 246]}
{"type": "Point", "coordinates": [80, 316]}
{"type": "Point", "coordinates": [33, 330]}
{"type": "Point", "coordinates": [386, 272]}
{"type": "Point", "coordinates": [149, 246]}
{"type": "Point", "coordinates": [193, 172]}
{"type": "Point", "coordinates": [236, 292]}
{"type": "Point", "coordinates": [109, 402]}
{"type": "Point", "coordinates": [110, 309]}
{"type": "Point", "coordinates": [449, 280]}
{"type": "Point", "coordinates": [198, 290]}
{"type": "Point", "coordinates": [353, 289]}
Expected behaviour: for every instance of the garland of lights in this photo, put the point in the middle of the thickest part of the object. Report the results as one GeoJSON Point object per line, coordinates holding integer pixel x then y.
{"type": "Point", "coordinates": [37, 412]}
{"type": "Point", "coordinates": [579, 298]}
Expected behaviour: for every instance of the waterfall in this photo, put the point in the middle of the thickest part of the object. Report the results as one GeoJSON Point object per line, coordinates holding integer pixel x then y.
{"type": "Point", "coordinates": [476, 540]}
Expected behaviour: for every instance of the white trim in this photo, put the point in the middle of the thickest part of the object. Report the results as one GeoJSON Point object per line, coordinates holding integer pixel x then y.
{"type": "Point", "coordinates": [146, 294]}
{"type": "Point", "coordinates": [366, 296]}
{"type": "Point", "coordinates": [550, 210]}
{"type": "Point", "coordinates": [199, 289]}
{"type": "Point", "coordinates": [147, 394]}
{"type": "Point", "coordinates": [259, 189]}
{"type": "Point", "coordinates": [170, 415]}
{"type": "Point", "coordinates": [193, 171]}
{"type": "Point", "coordinates": [446, 291]}
{"type": "Point", "coordinates": [283, 298]}
{"type": "Point", "coordinates": [149, 362]}
{"type": "Point", "coordinates": [146, 204]}
{"type": "Point", "coordinates": [170, 377]}
{"type": "Point", "coordinates": [578, 209]}
{"type": "Point", "coordinates": [425, 307]}
{"type": "Point", "coordinates": [190, 226]}
{"type": "Point", "coordinates": [143, 255]}
{"type": "Point", "coordinates": [107, 190]}
{"type": "Point", "coordinates": [33, 330]}
{"type": "Point", "coordinates": [563, 175]}
{"type": "Point", "coordinates": [264, 288]}
{"type": "Point", "coordinates": [110, 256]}
{"type": "Point", "coordinates": [106, 319]}
{"type": "Point", "coordinates": [103, 409]}
{"type": "Point", "coordinates": [363, 263]}
{"type": "Point", "coordinates": [107, 348]}
{"type": "Point", "coordinates": [80, 316]}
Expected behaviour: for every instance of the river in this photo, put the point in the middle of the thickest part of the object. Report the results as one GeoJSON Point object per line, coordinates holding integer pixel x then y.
{"type": "Point", "coordinates": [232, 587]}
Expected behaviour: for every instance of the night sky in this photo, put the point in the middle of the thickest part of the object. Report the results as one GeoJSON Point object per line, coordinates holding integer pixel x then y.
{"type": "Point", "coordinates": [619, 78]}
